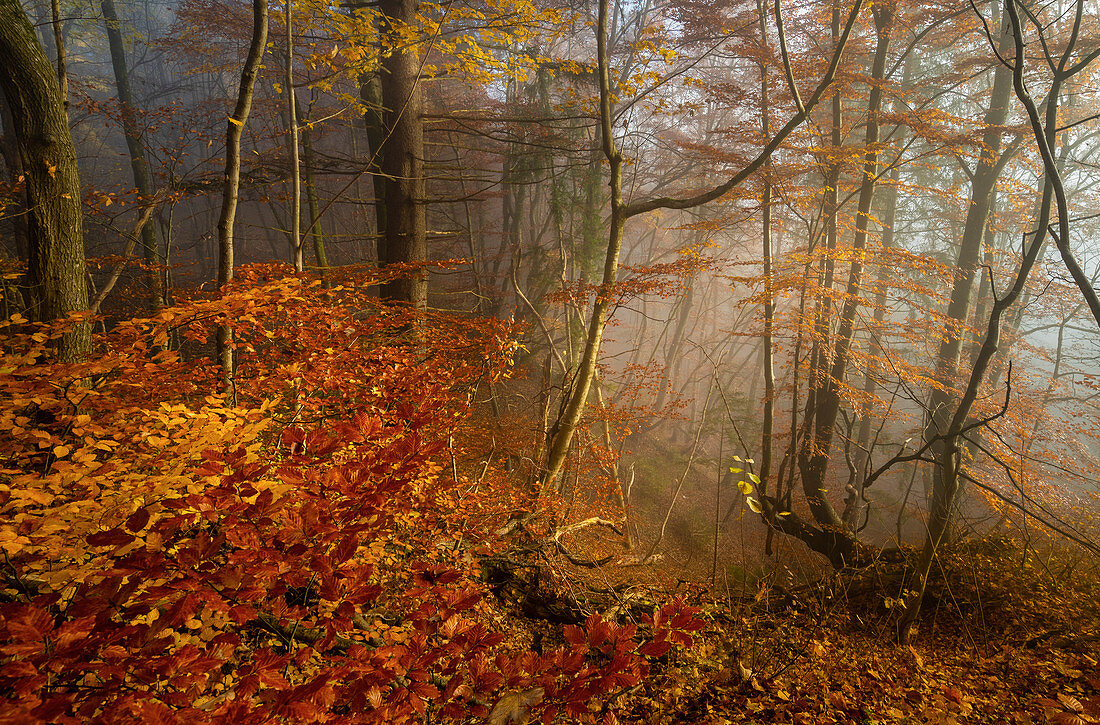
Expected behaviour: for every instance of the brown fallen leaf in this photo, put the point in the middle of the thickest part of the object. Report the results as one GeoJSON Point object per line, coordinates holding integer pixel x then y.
{"type": "Point", "coordinates": [511, 709]}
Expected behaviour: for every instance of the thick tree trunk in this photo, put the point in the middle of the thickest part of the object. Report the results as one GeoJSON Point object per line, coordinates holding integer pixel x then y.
{"type": "Point", "coordinates": [9, 148]}
{"type": "Point", "coordinates": [231, 188]}
{"type": "Point", "coordinates": [54, 224]}
{"type": "Point", "coordinates": [134, 144]}
{"type": "Point", "coordinates": [404, 239]}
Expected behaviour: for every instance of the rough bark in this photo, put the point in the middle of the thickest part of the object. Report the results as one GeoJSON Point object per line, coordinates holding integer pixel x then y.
{"type": "Point", "coordinates": [41, 129]}
{"type": "Point", "coordinates": [9, 148]}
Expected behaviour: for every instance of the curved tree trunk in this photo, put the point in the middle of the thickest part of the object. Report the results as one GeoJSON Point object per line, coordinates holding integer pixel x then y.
{"type": "Point", "coordinates": [296, 251]}
{"type": "Point", "coordinates": [562, 433]}
{"type": "Point", "coordinates": [54, 224]}
{"type": "Point", "coordinates": [231, 188]}
{"type": "Point", "coordinates": [813, 458]}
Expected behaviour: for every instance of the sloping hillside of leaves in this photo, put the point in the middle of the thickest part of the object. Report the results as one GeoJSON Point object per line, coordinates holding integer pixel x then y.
{"type": "Point", "coordinates": [288, 545]}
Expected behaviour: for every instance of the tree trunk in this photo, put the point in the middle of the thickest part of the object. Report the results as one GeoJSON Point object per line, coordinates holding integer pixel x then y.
{"type": "Point", "coordinates": [231, 188]}
{"type": "Point", "coordinates": [54, 224]}
{"type": "Point", "coordinates": [563, 430]}
{"type": "Point", "coordinates": [404, 239]}
{"type": "Point", "coordinates": [949, 430]}
{"type": "Point", "coordinates": [9, 147]}
{"type": "Point", "coordinates": [768, 421]}
{"type": "Point", "coordinates": [134, 144]}
{"type": "Point", "coordinates": [562, 433]}
{"type": "Point", "coordinates": [814, 455]}
{"type": "Point", "coordinates": [370, 93]}
{"type": "Point", "coordinates": [977, 216]}
{"type": "Point", "coordinates": [296, 252]}
{"type": "Point", "coordinates": [316, 234]}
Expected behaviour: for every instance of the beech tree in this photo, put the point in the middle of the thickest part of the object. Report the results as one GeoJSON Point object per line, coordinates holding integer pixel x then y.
{"type": "Point", "coordinates": [55, 225]}
{"type": "Point", "coordinates": [135, 144]}
{"type": "Point", "coordinates": [403, 237]}
{"type": "Point", "coordinates": [231, 184]}
{"type": "Point", "coordinates": [621, 210]}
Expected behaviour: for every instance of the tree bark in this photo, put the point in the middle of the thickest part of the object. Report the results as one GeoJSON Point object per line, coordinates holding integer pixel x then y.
{"type": "Point", "coordinates": [231, 188]}
{"type": "Point", "coordinates": [815, 452]}
{"type": "Point", "coordinates": [9, 147]}
{"type": "Point", "coordinates": [134, 144]}
{"type": "Point", "coordinates": [54, 224]}
{"type": "Point", "coordinates": [404, 239]}
{"type": "Point", "coordinates": [296, 252]}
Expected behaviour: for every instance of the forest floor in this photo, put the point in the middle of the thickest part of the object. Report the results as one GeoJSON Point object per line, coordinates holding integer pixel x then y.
{"type": "Point", "coordinates": [1012, 648]}
{"type": "Point", "coordinates": [1010, 631]}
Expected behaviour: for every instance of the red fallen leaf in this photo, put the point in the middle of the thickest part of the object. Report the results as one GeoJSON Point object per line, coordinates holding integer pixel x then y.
{"type": "Point", "coordinates": [112, 537]}
{"type": "Point", "coordinates": [137, 520]}
{"type": "Point", "coordinates": [655, 649]}
{"type": "Point", "coordinates": [953, 694]}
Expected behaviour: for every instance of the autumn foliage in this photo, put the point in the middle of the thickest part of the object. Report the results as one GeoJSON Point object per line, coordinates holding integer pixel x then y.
{"type": "Point", "coordinates": [290, 548]}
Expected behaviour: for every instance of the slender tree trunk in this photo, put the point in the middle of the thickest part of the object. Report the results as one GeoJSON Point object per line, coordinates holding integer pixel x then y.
{"type": "Point", "coordinates": [768, 369]}
{"type": "Point", "coordinates": [316, 234]}
{"type": "Point", "coordinates": [370, 93]}
{"type": "Point", "coordinates": [950, 440]}
{"type": "Point", "coordinates": [562, 432]}
{"type": "Point", "coordinates": [231, 188]}
{"type": "Point", "coordinates": [296, 252]}
{"type": "Point", "coordinates": [855, 502]}
{"type": "Point", "coordinates": [54, 223]}
{"type": "Point", "coordinates": [977, 216]}
{"type": "Point", "coordinates": [134, 144]}
{"type": "Point", "coordinates": [405, 236]}
{"type": "Point", "coordinates": [59, 47]}
{"type": "Point", "coordinates": [819, 358]}
{"type": "Point", "coordinates": [814, 456]}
